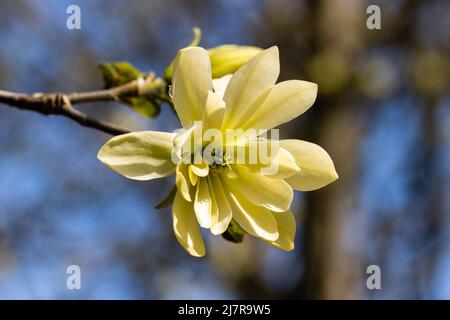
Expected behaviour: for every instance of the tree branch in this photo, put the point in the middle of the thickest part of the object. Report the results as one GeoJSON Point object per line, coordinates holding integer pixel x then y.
{"type": "Point", "coordinates": [112, 94]}
{"type": "Point", "coordinates": [62, 104]}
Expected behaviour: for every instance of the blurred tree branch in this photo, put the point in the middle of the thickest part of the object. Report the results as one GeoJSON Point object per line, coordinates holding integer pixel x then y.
{"type": "Point", "coordinates": [62, 103]}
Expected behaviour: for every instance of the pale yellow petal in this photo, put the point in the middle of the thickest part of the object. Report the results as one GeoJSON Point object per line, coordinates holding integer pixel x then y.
{"type": "Point", "coordinates": [238, 123]}
{"type": "Point", "coordinates": [202, 204]}
{"type": "Point", "coordinates": [222, 210]}
{"type": "Point", "coordinates": [186, 228]}
{"type": "Point", "coordinates": [257, 75]}
{"type": "Point", "coordinates": [272, 193]}
{"type": "Point", "coordinates": [190, 83]}
{"type": "Point", "coordinates": [214, 204]}
{"type": "Point", "coordinates": [286, 101]}
{"type": "Point", "coordinates": [193, 178]}
{"type": "Point", "coordinates": [183, 141]}
{"type": "Point", "coordinates": [257, 221]}
{"type": "Point", "coordinates": [220, 85]}
{"type": "Point", "coordinates": [286, 229]}
{"type": "Point", "coordinates": [201, 169]}
{"type": "Point", "coordinates": [188, 141]}
{"type": "Point", "coordinates": [213, 112]}
{"type": "Point", "coordinates": [277, 163]}
{"type": "Point", "coordinates": [181, 181]}
{"type": "Point", "coordinates": [285, 163]}
{"type": "Point", "coordinates": [316, 167]}
{"type": "Point", "coordinates": [141, 155]}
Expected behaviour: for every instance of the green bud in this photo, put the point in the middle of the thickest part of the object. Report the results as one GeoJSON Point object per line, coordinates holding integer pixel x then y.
{"type": "Point", "coordinates": [226, 59]}
{"type": "Point", "coordinates": [122, 72]}
{"type": "Point", "coordinates": [168, 200]}
{"type": "Point", "coordinates": [118, 73]}
{"type": "Point", "coordinates": [143, 106]}
{"type": "Point", "coordinates": [234, 232]}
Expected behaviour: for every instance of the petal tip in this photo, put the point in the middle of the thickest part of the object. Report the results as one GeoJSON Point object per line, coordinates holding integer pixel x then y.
{"type": "Point", "coordinates": [335, 176]}
{"type": "Point", "coordinates": [274, 48]}
{"type": "Point", "coordinates": [290, 248]}
{"type": "Point", "coordinates": [197, 254]}
{"type": "Point", "coordinates": [273, 236]}
{"type": "Point", "coordinates": [99, 154]}
{"type": "Point", "coordinates": [192, 49]}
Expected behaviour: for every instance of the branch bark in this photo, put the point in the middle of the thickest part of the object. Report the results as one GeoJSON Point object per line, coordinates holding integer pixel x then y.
{"type": "Point", "coordinates": [62, 104]}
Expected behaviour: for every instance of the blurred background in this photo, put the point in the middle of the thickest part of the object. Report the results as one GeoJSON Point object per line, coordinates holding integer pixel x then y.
{"type": "Point", "coordinates": [382, 113]}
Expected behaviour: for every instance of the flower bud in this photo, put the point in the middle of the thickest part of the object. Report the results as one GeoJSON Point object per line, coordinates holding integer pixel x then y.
{"type": "Point", "coordinates": [226, 59]}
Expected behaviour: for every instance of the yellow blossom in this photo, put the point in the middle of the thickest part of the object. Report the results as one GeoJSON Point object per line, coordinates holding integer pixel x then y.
{"type": "Point", "coordinates": [212, 194]}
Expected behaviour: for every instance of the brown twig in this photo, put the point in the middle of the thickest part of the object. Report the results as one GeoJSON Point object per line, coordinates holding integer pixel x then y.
{"type": "Point", "coordinates": [112, 94]}
{"type": "Point", "coordinates": [62, 104]}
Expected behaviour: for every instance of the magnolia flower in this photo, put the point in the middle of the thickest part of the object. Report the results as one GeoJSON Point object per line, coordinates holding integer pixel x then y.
{"type": "Point", "coordinates": [213, 195]}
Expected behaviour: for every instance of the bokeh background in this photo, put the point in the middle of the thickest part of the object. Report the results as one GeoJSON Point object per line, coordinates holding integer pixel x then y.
{"type": "Point", "coordinates": [382, 113]}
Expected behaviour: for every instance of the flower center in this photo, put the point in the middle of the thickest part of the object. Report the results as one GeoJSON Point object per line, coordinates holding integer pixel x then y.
{"type": "Point", "coordinates": [221, 162]}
